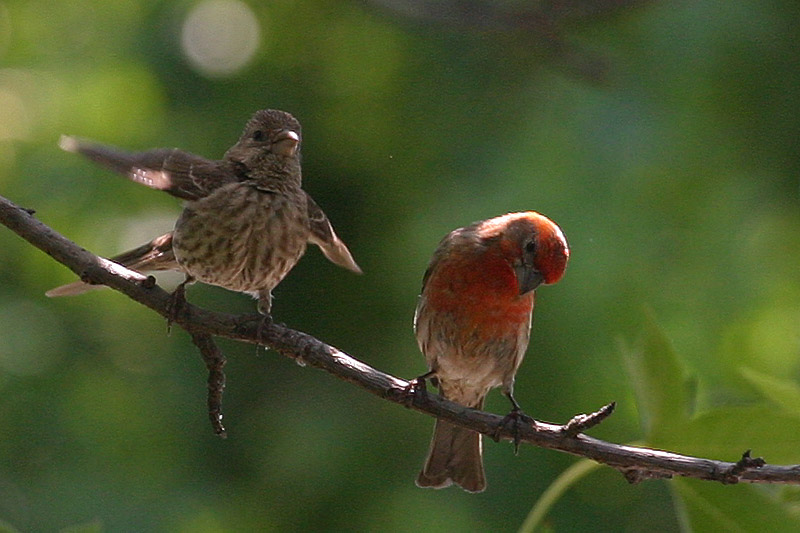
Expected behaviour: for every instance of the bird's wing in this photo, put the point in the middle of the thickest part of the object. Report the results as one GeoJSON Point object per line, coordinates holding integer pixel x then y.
{"type": "Point", "coordinates": [155, 255]}
{"type": "Point", "coordinates": [322, 235]}
{"type": "Point", "coordinates": [179, 173]}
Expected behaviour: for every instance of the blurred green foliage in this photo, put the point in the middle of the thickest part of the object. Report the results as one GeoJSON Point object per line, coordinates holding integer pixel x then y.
{"type": "Point", "coordinates": [675, 179]}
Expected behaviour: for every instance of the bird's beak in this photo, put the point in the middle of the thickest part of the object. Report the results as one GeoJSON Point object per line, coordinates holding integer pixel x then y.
{"type": "Point", "coordinates": [285, 143]}
{"type": "Point", "coordinates": [528, 278]}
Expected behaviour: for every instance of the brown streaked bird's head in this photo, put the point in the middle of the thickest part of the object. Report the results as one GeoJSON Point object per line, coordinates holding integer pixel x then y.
{"type": "Point", "coordinates": [270, 141]}
{"type": "Point", "coordinates": [532, 243]}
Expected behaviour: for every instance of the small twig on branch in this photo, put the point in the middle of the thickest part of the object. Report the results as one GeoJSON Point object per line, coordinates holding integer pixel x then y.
{"type": "Point", "coordinates": [215, 362]}
{"type": "Point", "coordinates": [636, 463]}
{"type": "Point", "coordinates": [581, 423]}
{"type": "Point", "coordinates": [734, 473]}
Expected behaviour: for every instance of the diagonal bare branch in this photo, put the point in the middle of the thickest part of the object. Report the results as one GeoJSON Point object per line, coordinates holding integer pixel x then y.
{"type": "Point", "coordinates": [636, 463]}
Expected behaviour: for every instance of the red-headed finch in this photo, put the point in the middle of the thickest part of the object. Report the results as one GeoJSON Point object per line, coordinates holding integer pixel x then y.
{"type": "Point", "coordinates": [246, 221]}
{"type": "Point", "coordinates": [473, 322]}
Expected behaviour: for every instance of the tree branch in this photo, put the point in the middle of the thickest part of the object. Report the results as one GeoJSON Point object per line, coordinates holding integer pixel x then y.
{"type": "Point", "coordinates": [636, 463]}
{"type": "Point", "coordinates": [542, 23]}
{"type": "Point", "coordinates": [215, 362]}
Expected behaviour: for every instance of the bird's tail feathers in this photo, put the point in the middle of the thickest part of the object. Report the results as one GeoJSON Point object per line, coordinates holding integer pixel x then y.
{"type": "Point", "coordinates": [153, 256]}
{"type": "Point", "coordinates": [455, 456]}
{"type": "Point", "coordinates": [72, 289]}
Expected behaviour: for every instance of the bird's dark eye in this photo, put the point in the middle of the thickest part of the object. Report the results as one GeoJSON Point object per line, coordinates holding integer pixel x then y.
{"type": "Point", "coordinates": [258, 135]}
{"type": "Point", "coordinates": [530, 247]}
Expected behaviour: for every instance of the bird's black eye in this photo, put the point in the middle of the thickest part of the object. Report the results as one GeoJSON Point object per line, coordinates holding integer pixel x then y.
{"type": "Point", "coordinates": [530, 247]}
{"type": "Point", "coordinates": [258, 135]}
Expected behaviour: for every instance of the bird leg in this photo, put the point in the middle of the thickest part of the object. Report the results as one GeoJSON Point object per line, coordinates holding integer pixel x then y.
{"type": "Point", "coordinates": [177, 301]}
{"type": "Point", "coordinates": [264, 308]}
{"type": "Point", "coordinates": [264, 324]}
{"type": "Point", "coordinates": [515, 417]}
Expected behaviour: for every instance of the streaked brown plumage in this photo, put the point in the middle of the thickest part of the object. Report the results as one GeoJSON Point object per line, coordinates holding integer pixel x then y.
{"type": "Point", "coordinates": [246, 221]}
{"type": "Point", "coordinates": [473, 323]}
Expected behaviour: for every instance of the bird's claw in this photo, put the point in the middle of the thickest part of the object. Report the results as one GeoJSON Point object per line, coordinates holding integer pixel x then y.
{"type": "Point", "coordinates": [410, 391]}
{"type": "Point", "coordinates": [413, 388]}
{"type": "Point", "coordinates": [265, 323]}
{"type": "Point", "coordinates": [514, 419]}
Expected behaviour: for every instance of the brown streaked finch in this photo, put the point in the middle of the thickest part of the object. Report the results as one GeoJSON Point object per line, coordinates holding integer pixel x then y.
{"type": "Point", "coordinates": [473, 323]}
{"type": "Point", "coordinates": [246, 220]}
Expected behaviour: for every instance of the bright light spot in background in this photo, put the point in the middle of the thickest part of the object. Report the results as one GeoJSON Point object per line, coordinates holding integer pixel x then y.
{"type": "Point", "coordinates": [14, 120]}
{"type": "Point", "coordinates": [18, 90]}
{"type": "Point", "coordinates": [220, 36]}
{"type": "Point", "coordinates": [20, 114]}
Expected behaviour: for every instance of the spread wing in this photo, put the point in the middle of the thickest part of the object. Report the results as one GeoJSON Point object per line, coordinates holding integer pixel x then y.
{"type": "Point", "coordinates": [179, 173]}
{"type": "Point", "coordinates": [322, 235]}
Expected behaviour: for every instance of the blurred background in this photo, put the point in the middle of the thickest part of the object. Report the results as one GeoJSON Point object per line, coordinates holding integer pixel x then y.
{"type": "Point", "coordinates": [663, 137]}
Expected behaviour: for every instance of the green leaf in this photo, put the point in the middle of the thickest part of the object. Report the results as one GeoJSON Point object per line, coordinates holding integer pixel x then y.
{"type": "Point", "coordinates": [714, 507]}
{"type": "Point", "coordinates": [727, 432]}
{"type": "Point", "coordinates": [659, 381]}
{"type": "Point", "coordinates": [784, 393]}
{"type": "Point", "coordinates": [93, 526]}
{"type": "Point", "coordinates": [557, 488]}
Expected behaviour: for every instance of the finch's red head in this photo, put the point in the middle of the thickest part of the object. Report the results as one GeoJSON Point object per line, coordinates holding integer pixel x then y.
{"type": "Point", "coordinates": [532, 243]}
